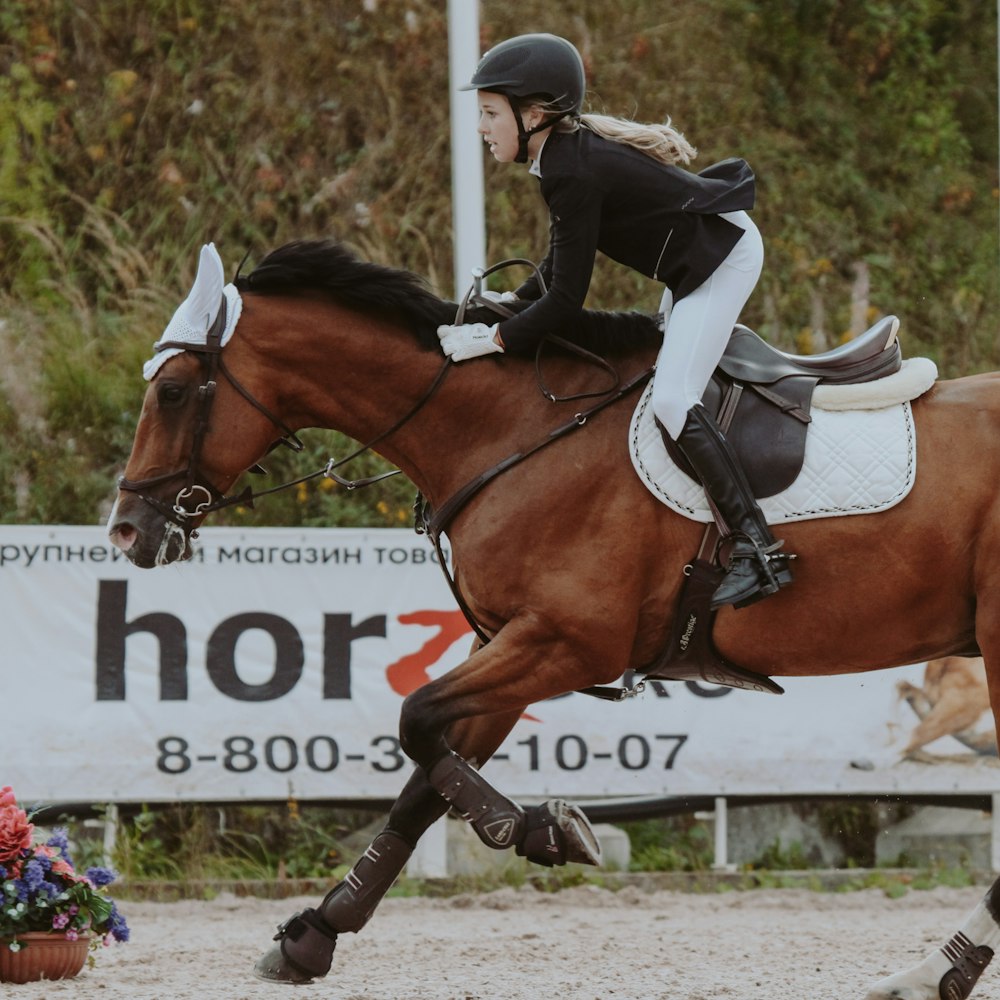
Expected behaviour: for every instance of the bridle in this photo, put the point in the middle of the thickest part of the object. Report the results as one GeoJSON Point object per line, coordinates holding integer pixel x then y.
{"type": "Point", "coordinates": [197, 497]}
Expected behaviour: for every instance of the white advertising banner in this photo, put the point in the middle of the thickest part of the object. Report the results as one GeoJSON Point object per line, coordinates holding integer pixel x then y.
{"type": "Point", "coordinates": [274, 664]}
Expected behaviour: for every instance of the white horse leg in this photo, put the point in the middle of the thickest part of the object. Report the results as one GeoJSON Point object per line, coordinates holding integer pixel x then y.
{"type": "Point", "coordinates": [952, 971]}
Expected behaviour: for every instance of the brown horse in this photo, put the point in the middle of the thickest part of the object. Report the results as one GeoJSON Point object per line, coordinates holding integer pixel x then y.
{"type": "Point", "coordinates": [566, 561]}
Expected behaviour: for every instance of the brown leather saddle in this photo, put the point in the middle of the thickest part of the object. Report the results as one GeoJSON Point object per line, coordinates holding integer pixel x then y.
{"type": "Point", "coordinates": [762, 397]}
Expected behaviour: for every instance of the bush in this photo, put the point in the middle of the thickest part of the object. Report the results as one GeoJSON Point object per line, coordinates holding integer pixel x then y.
{"type": "Point", "coordinates": [132, 133]}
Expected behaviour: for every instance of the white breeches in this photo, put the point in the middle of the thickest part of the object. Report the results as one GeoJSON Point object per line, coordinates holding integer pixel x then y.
{"type": "Point", "coordinates": [699, 326]}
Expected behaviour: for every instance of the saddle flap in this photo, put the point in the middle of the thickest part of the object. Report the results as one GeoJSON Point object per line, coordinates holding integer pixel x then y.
{"type": "Point", "coordinates": [767, 430]}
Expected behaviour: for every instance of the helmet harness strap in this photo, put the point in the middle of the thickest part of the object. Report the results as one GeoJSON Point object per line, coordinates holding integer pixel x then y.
{"type": "Point", "coordinates": [524, 134]}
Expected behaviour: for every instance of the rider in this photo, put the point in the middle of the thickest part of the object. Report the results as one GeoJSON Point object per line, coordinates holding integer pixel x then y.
{"type": "Point", "coordinates": [613, 185]}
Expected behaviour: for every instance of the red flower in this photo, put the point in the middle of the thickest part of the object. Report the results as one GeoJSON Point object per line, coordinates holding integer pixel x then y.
{"type": "Point", "coordinates": [15, 830]}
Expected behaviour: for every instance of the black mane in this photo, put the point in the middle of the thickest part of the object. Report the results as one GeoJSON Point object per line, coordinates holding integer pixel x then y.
{"type": "Point", "coordinates": [328, 266]}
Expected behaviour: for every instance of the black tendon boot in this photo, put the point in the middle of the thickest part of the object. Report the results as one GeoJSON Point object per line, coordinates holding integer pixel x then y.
{"type": "Point", "coordinates": [756, 568]}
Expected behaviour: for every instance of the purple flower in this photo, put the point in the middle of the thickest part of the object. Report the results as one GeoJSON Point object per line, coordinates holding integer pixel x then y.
{"type": "Point", "coordinates": [60, 841]}
{"type": "Point", "coordinates": [33, 875]}
{"type": "Point", "coordinates": [60, 920]}
{"type": "Point", "coordinates": [101, 876]}
{"type": "Point", "coordinates": [31, 880]}
{"type": "Point", "coordinates": [116, 922]}
{"type": "Point", "coordinates": [46, 891]}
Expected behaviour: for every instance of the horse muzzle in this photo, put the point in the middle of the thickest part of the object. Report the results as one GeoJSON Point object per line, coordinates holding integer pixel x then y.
{"type": "Point", "coordinates": [146, 536]}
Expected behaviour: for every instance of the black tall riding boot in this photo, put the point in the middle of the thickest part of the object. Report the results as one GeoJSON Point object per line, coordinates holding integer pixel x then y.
{"type": "Point", "coordinates": [756, 569]}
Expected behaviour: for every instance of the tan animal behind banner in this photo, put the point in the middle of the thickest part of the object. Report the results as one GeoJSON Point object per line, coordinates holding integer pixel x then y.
{"type": "Point", "coordinates": [953, 699]}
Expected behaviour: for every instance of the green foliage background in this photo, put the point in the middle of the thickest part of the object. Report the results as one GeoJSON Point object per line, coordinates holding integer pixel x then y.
{"type": "Point", "coordinates": [131, 132]}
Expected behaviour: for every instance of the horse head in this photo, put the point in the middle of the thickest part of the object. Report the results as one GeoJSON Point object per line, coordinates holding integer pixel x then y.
{"type": "Point", "coordinates": [199, 428]}
{"type": "Point", "coordinates": [325, 340]}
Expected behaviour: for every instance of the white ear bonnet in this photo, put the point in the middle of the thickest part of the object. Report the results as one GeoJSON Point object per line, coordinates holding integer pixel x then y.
{"type": "Point", "coordinates": [196, 314]}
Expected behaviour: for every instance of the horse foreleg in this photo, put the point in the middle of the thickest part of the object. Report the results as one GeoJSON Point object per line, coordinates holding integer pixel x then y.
{"type": "Point", "coordinates": [550, 834]}
{"type": "Point", "coordinates": [952, 971]}
{"type": "Point", "coordinates": [526, 663]}
{"type": "Point", "coordinates": [305, 943]}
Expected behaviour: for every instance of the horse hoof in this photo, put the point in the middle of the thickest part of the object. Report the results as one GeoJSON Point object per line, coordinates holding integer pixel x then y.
{"type": "Point", "coordinates": [904, 986]}
{"type": "Point", "coordinates": [579, 840]}
{"type": "Point", "coordinates": [273, 968]}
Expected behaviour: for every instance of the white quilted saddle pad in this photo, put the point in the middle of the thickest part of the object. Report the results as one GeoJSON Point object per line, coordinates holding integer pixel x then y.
{"type": "Point", "coordinates": [856, 462]}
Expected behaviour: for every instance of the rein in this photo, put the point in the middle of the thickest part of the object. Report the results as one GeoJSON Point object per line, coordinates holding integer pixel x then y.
{"type": "Point", "coordinates": [476, 296]}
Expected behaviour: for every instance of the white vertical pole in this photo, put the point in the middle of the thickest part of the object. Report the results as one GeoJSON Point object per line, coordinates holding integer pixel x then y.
{"type": "Point", "coordinates": [467, 198]}
{"type": "Point", "coordinates": [430, 857]}
{"type": "Point", "coordinates": [110, 834]}
{"type": "Point", "coordinates": [721, 835]}
{"type": "Point", "coordinates": [995, 838]}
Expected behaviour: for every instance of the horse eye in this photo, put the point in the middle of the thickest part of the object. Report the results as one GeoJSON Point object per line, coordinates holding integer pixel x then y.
{"type": "Point", "coordinates": [171, 394]}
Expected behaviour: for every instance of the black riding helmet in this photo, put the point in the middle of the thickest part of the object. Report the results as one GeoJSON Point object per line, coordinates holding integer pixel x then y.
{"type": "Point", "coordinates": [538, 65]}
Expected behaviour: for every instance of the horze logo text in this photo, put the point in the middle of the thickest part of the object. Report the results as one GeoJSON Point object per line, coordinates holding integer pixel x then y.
{"type": "Point", "coordinates": [340, 631]}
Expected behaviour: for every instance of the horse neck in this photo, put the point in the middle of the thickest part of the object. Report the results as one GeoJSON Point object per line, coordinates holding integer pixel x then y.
{"type": "Point", "coordinates": [358, 374]}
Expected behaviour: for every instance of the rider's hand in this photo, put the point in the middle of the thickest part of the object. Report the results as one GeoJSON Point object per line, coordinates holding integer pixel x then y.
{"type": "Point", "coordinates": [470, 340]}
{"type": "Point", "coordinates": [499, 296]}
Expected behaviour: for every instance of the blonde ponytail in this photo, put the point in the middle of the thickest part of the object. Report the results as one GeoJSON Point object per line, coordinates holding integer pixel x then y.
{"type": "Point", "coordinates": [661, 142]}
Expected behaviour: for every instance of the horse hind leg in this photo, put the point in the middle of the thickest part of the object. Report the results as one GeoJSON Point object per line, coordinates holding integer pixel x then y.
{"type": "Point", "coordinates": [951, 972]}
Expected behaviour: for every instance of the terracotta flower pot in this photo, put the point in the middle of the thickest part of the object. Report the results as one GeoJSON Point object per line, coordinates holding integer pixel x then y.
{"type": "Point", "coordinates": [43, 955]}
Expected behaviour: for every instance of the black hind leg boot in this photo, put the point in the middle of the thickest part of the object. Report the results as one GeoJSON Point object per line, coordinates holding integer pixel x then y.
{"type": "Point", "coordinates": [756, 568]}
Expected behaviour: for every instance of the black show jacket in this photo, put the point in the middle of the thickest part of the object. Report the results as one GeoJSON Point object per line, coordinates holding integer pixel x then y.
{"type": "Point", "coordinates": [661, 220]}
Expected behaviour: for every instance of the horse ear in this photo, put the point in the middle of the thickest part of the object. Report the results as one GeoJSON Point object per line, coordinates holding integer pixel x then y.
{"type": "Point", "coordinates": [205, 297]}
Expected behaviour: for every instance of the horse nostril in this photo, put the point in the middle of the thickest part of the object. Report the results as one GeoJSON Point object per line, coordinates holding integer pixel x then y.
{"type": "Point", "coordinates": [124, 535]}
